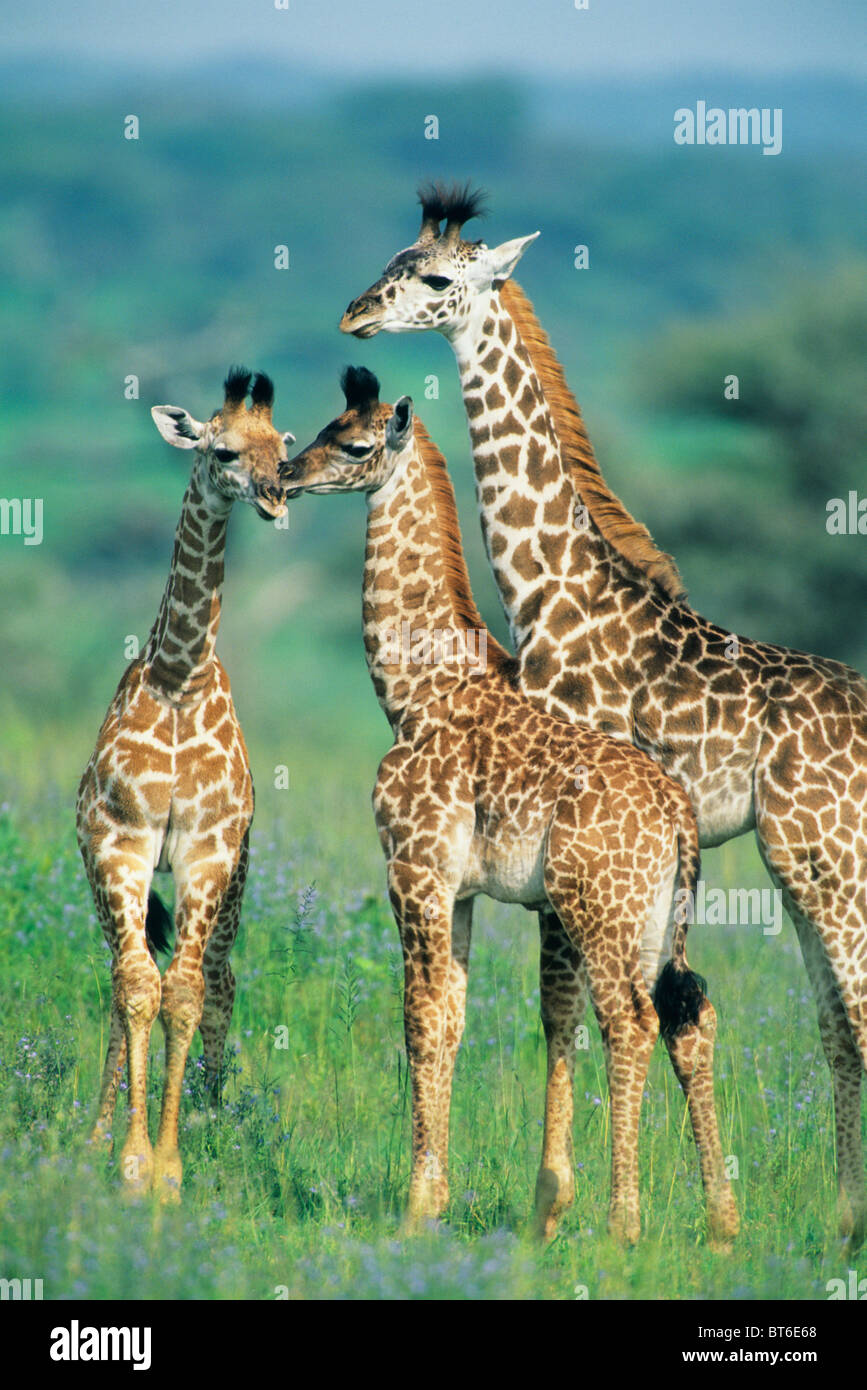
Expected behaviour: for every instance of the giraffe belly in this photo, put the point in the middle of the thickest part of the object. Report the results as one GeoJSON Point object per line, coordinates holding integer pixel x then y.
{"type": "Point", "coordinates": [509, 869]}
{"type": "Point", "coordinates": [724, 807]}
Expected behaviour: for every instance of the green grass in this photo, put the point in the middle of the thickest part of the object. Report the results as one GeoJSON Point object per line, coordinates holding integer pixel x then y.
{"type": "Point", "coordinates": [299, 1184]}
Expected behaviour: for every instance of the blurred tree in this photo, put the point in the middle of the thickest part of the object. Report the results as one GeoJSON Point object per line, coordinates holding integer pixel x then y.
{"type": "Point", "coordinates": [792, 439]}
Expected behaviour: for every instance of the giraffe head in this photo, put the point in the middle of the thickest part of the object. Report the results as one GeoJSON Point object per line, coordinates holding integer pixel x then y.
{"type": "Point", "coordinates": [436, 282]}
{"type": "Point", "coordinates": [239, 450]}
{"type": "Point", "coordinates": [360, 449]}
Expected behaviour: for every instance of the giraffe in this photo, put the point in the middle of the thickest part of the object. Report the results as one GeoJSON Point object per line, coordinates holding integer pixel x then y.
{"type": "Point", "coordinates": [761, 737]}
{"type": "Point", "coordinates": [483, 793]}
{"type": "Point", "coordinates": [168, 788]}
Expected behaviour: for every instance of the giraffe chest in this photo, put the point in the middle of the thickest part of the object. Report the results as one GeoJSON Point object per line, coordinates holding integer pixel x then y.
{"type": "Point", "coordinates": [175, 780]}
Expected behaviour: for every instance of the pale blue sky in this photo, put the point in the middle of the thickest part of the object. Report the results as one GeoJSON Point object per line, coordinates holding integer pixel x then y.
{"type": "Point", "coordinates": [376, 37]}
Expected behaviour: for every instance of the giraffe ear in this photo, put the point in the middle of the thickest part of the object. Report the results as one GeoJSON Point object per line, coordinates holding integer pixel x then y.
{"type": "Point", "coordinates": [501, 260]}
{"type": "Point", "coordinates": [177, 426]}
{"type": "Point", "coordinates": [399, 428]}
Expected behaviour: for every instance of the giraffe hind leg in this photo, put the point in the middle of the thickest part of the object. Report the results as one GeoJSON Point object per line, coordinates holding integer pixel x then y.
{"type": "Point", "coordinates": [840, 1043]}
{"type": "Point", "coordinates": [115, 1064]}
{"type": "Point", "coordinates": [563, 1001]}
{"type": "Point", "coordinates": [688, 1028]}
{"type": "Point", "coordinates": [830, 917]}
{"type": "Point", "coordinates": [601, 927]}
{"type": "Point", "coordinates": [219, 981]}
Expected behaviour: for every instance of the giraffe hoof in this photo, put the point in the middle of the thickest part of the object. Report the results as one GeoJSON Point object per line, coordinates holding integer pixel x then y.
{"type": "Point", "coordinates": [625, 1230]}
{"type": "Point", "coordinates": [137, 1171]}
{"type": "Point", "coordinates": [854, 1233]}
{"type": "Point", "coordinates": [169, 1192]}
{"type": "Point", "coordinates": [555, 1193]}
{"type": "Point", "coordinates": [167, 1178]}
{"type": "Point", "coordinates": [544, 1229]}
{"type": "Point", "coordinates": [100, 1138]}
{"type": "Point", "coordinates": [723, 1226]}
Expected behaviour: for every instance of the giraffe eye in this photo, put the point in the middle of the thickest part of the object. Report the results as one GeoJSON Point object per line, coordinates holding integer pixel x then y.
{"type": "Point", "coordinates": [225, 455]}
{"type": "Point", "coordinates": [356, 451]}
{"type": "Point", "coordinates": [436, 282]}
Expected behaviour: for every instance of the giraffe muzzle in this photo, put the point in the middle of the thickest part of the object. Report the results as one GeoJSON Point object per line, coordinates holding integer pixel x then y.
{"type": "Point", "coordinates": [361, 319]}
{"type": "Point", "coordinates": [270, 502]}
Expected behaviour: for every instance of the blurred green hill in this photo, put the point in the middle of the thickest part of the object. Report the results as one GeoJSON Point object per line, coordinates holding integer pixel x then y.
{"type": "Point", "coordinates": [154, 258]}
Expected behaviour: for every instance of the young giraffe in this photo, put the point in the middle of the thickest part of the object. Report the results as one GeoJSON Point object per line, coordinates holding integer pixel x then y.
{"type": "Point", "coordinates": [759, 736]}
{"type": "Point", "coordinates": [168, 787]}
{"type": "Point", "coordinates": [479, 794]}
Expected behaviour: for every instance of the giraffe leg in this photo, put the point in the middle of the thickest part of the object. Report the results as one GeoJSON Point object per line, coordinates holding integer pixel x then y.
{"type": "Point", "coordinates": [219, 980]}
{"type": "Point", "coordinates": [629, 1027]}
{"type": "Point", "coordinates": [112, 1073]}
{"type": "Point", "coordinates": [120, 879]}
{"type": "Point", "coordinates": [830, 916]}
{"type": "Point", "coordinates": [456, 1008]}
{"type": "Point", "coordinates": [563, 992]}
{"type": "Point", "coordinates": [199, 897]}
{"type": "Point", "coordinates": [691, 1053]}
{"type": "Point", "coordinates": [600, 928]}
{"type": "Point", "coordinates": [629, 1033]}
{"type": "Point", "coordinates": [846, 1061]}
{"type": "Point", "coordinates": [423, 907]}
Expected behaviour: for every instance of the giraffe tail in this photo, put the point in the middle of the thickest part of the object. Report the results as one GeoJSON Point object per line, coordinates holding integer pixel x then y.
{"type": "Point", "coordinates": [158, 923]}
{"type": "Point", "coordinates": [679, 993]}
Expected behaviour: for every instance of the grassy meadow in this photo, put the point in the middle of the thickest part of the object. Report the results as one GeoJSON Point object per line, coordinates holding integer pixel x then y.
{"type": "Point", "coordinates": [297, 1186]}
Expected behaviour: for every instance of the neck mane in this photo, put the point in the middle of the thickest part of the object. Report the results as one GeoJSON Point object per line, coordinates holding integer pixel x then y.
{"type": "Point", "coordinates": [457, 579]}
{"type": "Point", "coordinates": [623, 533]}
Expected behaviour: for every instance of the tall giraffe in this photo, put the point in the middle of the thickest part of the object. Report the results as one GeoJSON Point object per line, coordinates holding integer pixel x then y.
{"type": "Point", "coordinates": [761, 737]}
{"type": "Point", "coordinates": [168, 787]}
{"type": "Point", "coordinates": [483, 793]}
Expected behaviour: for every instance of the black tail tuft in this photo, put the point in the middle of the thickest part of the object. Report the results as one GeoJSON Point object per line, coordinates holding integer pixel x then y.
{"type": "Point", "coordinates": [677, 997]}
{"type": "Point", "coordinates": [159, 926]}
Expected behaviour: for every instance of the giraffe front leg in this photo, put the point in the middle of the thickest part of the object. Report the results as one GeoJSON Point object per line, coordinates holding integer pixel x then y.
{"type": "Point", "coordinates": [120, 874]}
{"type": "Point", "coordinates": [423, 907]}
{"type": "Point", "coordinates": [200, 893]}
{"type": "Point", "coordinates": [137, 983]}
{"type": "Point", "coordinates": [563, 1001]}
{"type": "Point", "coordinates": [456, 1008]}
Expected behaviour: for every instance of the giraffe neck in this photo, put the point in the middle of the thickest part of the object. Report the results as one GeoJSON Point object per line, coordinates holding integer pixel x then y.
{"type": "Point", "coordinates": [180, 650]}
{"type": "Point", "coordinates": [419, 640]}
{"type": "Point", "coordinates": [537, 531]}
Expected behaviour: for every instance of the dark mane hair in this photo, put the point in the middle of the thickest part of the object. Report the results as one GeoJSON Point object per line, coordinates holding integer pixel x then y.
{"type": "Point", "coordinates": [622, 532]}
{"type": "Point", "coordinates": [457, 578]}
{"type": "Point", "coordinates": [453, 202]}
{"type": "Point", "coordinates": [360, 387]}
